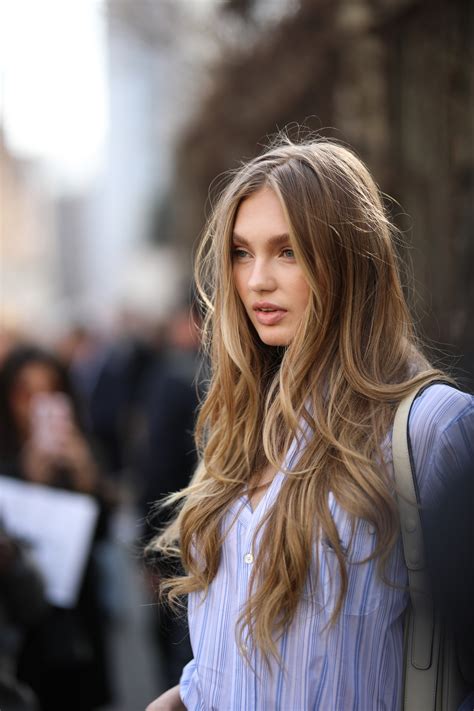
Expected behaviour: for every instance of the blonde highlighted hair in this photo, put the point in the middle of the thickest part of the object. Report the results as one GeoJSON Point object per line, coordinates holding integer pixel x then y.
{"type": "Point", "coordinates": [353, 358]}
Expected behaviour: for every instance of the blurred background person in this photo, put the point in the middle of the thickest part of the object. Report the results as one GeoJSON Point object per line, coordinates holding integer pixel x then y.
{"type": "Point", "coordinates": [22, 605]}
{"type": "Point", "coordinates": [116, 399]}
{"type": "Point", "coordinates": [42, 440]}
{"type": "Point", "coordinates": [166, 463]}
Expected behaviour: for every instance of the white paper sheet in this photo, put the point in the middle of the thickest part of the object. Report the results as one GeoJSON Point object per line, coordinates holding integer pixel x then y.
{"type": "Point", "coordinates": [59, 526]}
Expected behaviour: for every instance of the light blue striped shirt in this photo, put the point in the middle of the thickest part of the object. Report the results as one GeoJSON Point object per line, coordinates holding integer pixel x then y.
{"type": "Point", "coordinates": [355, 665]}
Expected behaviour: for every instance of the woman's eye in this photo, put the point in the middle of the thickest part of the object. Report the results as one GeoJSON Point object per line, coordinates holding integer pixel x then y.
{"type": "Point", "coordinates": [288, 253]}
{"type": "Point", "coordinates": [239, 253]}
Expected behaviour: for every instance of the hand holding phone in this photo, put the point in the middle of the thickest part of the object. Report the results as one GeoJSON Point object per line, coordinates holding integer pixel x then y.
{"type": "Point", "coordinates": [51, 422]}
{"type": "Point", "coordinates": [57, 452]}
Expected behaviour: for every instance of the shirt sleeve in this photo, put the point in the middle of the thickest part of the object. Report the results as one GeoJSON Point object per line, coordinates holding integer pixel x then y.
{"type": "Point", "coordinates": [186, 681]}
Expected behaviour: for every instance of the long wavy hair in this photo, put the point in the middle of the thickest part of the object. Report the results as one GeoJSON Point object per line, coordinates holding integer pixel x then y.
{"type": "Point", "coordinates": [353, 358]}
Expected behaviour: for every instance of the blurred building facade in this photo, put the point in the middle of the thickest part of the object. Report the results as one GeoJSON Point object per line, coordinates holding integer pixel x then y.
{"type": "Point", "coordinates": [116, 262]}
{"type": "Point", "coordinates": [413, 120]}
{"type": "Point", "coordinates": [29, 274]}
{"type": "Point", "coordinates": [395, 80]}
{"type": "Point", "coordinates": [195, 87]}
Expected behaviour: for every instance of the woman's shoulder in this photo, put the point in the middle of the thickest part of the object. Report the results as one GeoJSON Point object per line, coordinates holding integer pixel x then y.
{"type": "Point", "coordinates": [441, 428]}
{"type": "Point", "coordinates": [439, 406]}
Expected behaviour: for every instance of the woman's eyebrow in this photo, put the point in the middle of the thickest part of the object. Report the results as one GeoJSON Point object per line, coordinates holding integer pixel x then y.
{"type": "Point", "coordinates": [274, 241]}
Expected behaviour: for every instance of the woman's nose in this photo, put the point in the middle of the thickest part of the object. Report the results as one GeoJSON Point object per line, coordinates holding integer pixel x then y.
{"type": "Point", "coordinates": [261, 277]}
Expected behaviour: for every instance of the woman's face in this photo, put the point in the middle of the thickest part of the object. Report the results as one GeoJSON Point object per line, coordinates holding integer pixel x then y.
{"type": "Point", "coordinates": [33, 379]}
{"type": "Point", "coordinates": [268, 279]}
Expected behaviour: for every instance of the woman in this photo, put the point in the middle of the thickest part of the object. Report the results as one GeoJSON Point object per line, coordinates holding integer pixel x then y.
{"type": "Point", "coordinates": [288, 533]}
{"type": "Point", "coordinates": [42, 441]}
{"type": "Point", "coordinates": [41, 437]}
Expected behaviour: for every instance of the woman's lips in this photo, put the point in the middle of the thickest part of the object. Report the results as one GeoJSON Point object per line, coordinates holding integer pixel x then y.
{"type": "Point", "coordinates": [269, 318]}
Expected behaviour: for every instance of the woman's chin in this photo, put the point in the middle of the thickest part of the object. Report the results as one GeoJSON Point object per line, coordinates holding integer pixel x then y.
{"type": "Point", "coordinates": [274, 338]}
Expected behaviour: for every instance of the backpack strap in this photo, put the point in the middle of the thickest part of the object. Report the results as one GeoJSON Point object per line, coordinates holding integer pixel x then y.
{"type": "Point", "coordinates": [422, 640]}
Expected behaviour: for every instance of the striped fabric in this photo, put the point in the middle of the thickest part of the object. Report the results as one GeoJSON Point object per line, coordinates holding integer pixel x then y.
{"type": "Point", "coordinates": [355, 665]}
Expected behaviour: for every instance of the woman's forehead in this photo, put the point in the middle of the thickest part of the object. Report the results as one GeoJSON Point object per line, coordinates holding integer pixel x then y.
{"type": "Point", "coordinates": [260, 214]}
{"type": "Point", "coordinates": [37, 376]}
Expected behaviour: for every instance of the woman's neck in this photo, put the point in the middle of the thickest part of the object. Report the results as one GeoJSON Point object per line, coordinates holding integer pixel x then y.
{"type": "Point", "coordinates": [260, 483]}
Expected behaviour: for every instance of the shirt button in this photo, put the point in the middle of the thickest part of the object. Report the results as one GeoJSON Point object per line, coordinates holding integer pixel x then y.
{"type": "Point", "coordinates": [248, 558]}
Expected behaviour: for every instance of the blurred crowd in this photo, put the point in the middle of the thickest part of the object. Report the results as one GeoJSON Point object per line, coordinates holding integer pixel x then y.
{"type": "Point", "coordinates": [110, 418]}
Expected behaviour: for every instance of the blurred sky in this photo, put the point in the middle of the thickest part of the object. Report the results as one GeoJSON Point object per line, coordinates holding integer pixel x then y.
{"type": "Point", "coordinates": [83, 95]}
{"type": "Point", "coordinates": [53, 92]}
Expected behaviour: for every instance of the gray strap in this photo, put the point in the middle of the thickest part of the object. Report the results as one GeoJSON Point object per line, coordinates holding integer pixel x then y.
{"type": "Point", "coordinates": [421, 638]}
